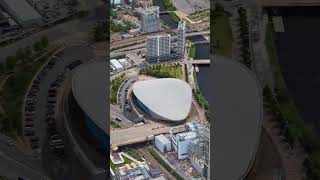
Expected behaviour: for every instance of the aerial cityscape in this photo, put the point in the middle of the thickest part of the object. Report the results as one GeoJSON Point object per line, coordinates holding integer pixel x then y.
{"type": "Point", "coordinates": [159, 119]}
{"type": "Point", "coordinates": [159, 90]}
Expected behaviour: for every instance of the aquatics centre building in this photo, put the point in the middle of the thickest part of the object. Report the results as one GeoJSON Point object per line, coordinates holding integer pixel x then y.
{"type": "Point", "coordinates": [89, 91]}
{"type": "Point", "coordinates": [166, 99]}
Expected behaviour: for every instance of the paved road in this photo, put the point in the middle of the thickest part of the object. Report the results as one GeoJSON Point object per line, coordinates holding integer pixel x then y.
{"type": "Point", "coordinates": [116, 112]}
{"type": "Point", "coordinates": [14, 169]}
{"type": "Point", "coordinates": [137, 134]}
{"type": "Point", "coordinates": [69, 54]}
{"type": "Point", "coordinates": [15, 163]}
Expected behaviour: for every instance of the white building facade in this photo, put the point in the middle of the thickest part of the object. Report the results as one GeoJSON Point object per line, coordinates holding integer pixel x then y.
{"type": "Point", "coordinates": [158, 47]}
{"type": "Point", "coordinates": [181, 39]}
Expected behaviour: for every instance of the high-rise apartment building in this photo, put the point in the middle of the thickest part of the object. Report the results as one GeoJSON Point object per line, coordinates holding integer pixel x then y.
{"type": "Point", "coordinates": [158, 47]}
{"type": "Point", "coordinates": [181, 38]}
{"type": "Point", "coordinates": [150, 19]}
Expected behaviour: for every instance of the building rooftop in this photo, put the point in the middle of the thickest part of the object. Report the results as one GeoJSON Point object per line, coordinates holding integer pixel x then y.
{"type": "Point", "coordinates": [89, 87]}
{"type": "Point", "coordinates": [163, 139]}
{"type": "Point", "coordinates": [186, 135]}
{"type": "Point", "coordinates": [237, 101]}
{"type": "Point", "coordinates": [168, 98]}
{"type": "Point", "coordinates": [116, 64]}
{"type": "Point", "coordinates": [21, 8]}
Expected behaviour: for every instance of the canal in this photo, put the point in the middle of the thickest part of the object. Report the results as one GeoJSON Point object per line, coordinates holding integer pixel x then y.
{"type": "Point", "coordinates": [298, 52]}
{"type": "Point", "coordinates": [202, 52]}
{"type": "Point", "coordinates": [166, 18]}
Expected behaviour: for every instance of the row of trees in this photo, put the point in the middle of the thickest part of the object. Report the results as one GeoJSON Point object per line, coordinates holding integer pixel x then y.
{"type": "Point", "coordinates": [101, 31]}
{"type": "Point", "coordinates": [198, 94]}
{"type": "Point", "coordinates": [163, 71]}
{"type": "Point", "coordinates": [114, 87]}
{"type": "Point", "coordinates": [24, 55]}
{"type": "Point", "coordinates": [126, 26]}
{"type": "Point", "coordinates": [244, 35]}
{"type": "Point", "coordinates": [294, 130]}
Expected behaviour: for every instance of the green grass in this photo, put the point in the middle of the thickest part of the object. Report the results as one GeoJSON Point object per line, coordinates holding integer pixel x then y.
{"type": "Point", "coordinates": [164, 71]}
{"type": "Point", "coordinates": [174, 16]}
{"type": "Point", "coordinates": [12, 94]}
{"type": "Point", "coordinates": [114, 87]}
{"type": "Point", "coordinates": [126, 161]}
{"type": "Point", "coordinates": [115, 125]}
{"type": "Point", "coordinates": [283, 105]}
{"type": "Point", "coordinates": [168, 5]}
{"type": "Point", "coordinates": [192, 51]}
{"type": "Point", "coordinates": [285, 102]}
{"type": "Point", "coordinates": [221, 34]}
{"type": "Point", "coordinates": [164, 164]}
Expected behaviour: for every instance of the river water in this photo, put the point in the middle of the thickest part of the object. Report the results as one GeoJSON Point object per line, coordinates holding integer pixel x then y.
{"type": "Point", "coordinates": [298, 51]}
{"type": "Point", "coordinates": [202, 51]}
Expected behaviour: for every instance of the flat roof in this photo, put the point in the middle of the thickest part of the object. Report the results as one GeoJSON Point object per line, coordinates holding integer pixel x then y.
{"type": "Point", "coordinates": [237, 117]}
{"type": "Point", "coordinates": [89, 87]}
{"type": "Point", "coordinates": [22, 9]}
{"type": "Point", "coordinates": [162, 138]}
{"type": "Point", "coordinates": [115, 64]}
{"type": "Point", "coordinates": [168, 98]}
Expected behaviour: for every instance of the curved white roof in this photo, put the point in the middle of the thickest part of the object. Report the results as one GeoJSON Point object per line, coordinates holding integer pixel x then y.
{"type": "Point", "coordinates": [168, 98]}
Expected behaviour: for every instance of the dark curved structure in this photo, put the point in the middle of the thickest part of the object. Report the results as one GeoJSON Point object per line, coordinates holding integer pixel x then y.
{"type": "Point", "coordinates": [89, 89]}
{"type": "Point", "coordinates": [237, 117]}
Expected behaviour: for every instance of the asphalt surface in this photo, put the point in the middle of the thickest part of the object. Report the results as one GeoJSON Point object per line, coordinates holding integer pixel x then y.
{"type": "Point", "coordinates": [238, 112]}
{"type": "Point", "coordinates": [16, 163]}
{"type": "Point", "coordinates": [68, 55]}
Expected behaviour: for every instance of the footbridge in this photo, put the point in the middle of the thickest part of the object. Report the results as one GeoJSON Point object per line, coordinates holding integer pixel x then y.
{"type": "Point", "coordinates": [200, 61]}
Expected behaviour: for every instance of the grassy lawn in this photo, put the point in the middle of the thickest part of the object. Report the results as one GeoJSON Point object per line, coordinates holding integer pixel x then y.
{"type": "Point", "coordinates": [221, 34]}
{"type": "Point", "coordinates": [126, 161]}
{"type": "Point", "coordinates": [12, 94]}
{"type": "Point", "coordinates": [164, 71]}
{"type": "Point", "coordinates": [114, 87]}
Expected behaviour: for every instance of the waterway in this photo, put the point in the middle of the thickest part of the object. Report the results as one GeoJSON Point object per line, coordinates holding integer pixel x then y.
{"type": "Point", "coordinates": [298, 51]}
{"type": "Point", "coordinates": [203, 76]}
{"type": "Point", "coordinates": [202, 51]}
{"type": "Point", "coordinates": [166, 18]}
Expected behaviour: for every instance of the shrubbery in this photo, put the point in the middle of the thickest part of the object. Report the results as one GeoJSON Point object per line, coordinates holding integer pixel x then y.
{"type": "Point", "coordinates": [164, 71]}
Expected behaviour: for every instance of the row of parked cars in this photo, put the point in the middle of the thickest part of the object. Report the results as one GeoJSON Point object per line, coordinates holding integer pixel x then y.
{"type": "Point", "coordinates": [30, 103]}
{"type": "Point", "coordinates": [55, 141]}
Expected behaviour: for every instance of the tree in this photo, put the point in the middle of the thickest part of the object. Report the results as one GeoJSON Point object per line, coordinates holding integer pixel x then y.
{"type": "Point", "coordinates": [44, 41]}
{"type": "Point", "coordinates": [11, 62]}
{"type": "Point", "coordinates": [37, 46]}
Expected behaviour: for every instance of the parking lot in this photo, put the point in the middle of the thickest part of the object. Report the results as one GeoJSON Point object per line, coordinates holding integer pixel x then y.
{"type": "Point", "coordinates": [40, 112]}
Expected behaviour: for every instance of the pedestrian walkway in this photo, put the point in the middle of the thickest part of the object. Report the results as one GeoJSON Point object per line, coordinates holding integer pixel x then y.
{"type": "Point", "coordinates": [292, 158]}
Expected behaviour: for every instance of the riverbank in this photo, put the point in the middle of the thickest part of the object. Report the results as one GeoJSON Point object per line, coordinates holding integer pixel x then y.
{"type": "Point", "coordinates": [291, 124]}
